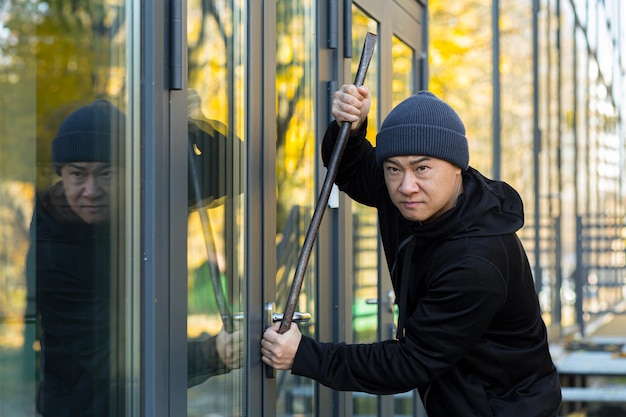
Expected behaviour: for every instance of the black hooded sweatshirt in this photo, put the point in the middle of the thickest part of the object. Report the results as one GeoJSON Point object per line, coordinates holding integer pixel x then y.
{"type": "Point", "coordinates": [471, 337]}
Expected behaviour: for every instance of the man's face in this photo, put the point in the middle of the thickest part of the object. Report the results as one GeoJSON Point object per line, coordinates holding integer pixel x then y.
{"type": "Point", "coordinates": [88, 189]}
{"type": "Point", "coordinates": [422, 187]}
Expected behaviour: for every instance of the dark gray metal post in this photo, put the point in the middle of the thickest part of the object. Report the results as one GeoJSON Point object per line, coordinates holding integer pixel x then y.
{"type": "Point", "coordinates": [579, 276]}
{"type": "Point", "coordinates": [496, 116]}
{"type": "Point", "coordinates": [556, 311]}
{"type": "Point", "coordinates": [536, 148]}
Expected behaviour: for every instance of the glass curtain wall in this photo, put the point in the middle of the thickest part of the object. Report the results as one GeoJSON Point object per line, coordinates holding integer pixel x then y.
{"type": "Point", "coordinates": [296, 151]}
{"type": "Point", "coordinates": [217, 76]}
{"type": "Point", "coordinates": [68, 281]}
{"type": "Point", "coordinates": [562, 146]}
{"type": "Point", "coordinates": [600, 214]}
{"type": "Point", "coordinates": [459, 52]}
{"type": "Point", "coordinates": [577, 150]}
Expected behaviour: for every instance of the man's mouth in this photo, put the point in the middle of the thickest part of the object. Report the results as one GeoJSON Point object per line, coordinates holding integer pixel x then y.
{"type": "Point", "coordinates": [94, 208]}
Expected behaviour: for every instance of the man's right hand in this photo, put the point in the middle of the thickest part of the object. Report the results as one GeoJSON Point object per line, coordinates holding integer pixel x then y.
{"type": "Point", "coordinates": [351, 104]}
{"type": "Point", "coordinates": [279, 350]}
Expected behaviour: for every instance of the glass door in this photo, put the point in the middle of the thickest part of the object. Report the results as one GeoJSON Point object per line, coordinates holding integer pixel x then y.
{"type": "Point", "coordinates": [216, 148]}
{"type": "Point", "coordinates": [69, 341]}
{"type": "Point", "coordinates": [366, 318]}
{"type": "Point", "coordinates": [391, 78]}
{"type": "Point", "coordinates": [296, 171]}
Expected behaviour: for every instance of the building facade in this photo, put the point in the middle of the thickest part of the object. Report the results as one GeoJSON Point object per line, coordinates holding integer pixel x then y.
{"type": "Point", "coordinates": [217, 174]}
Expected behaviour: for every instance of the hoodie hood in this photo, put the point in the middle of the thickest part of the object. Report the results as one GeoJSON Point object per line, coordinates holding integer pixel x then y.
{"type": "Point", "coordinates": [485, 208]}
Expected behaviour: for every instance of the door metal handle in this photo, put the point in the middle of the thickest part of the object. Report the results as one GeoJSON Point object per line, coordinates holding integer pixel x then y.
{"type": "Point", "coordinates": [391, 298]}
{"type": "Point", "coordinates": [271, 317]}
{"type": "Point", "coordinates": [297, 316]}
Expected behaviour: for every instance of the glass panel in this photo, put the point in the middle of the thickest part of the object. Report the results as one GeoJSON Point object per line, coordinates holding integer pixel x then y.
{"type": "Point", "coordinates": [468, 88]}
{"type": "Point", "coordinates": [216, 228]}
{"type": "Point", "coordinates": [67, 302]}
{"type": "Point", "coordinates": [365, 224]}
{"type": "Point", "coordinates": [403, 57]}
{"type": "Point", "coordinates": [296, 89]}
{"type": "Point", "coordinates": [565, 315]}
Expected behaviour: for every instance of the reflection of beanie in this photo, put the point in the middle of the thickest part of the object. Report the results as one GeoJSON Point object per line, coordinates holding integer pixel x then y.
{"type": "Point", "coordinates": [423, 125]}
{"type": "Point", "coordinates": [86, 134]}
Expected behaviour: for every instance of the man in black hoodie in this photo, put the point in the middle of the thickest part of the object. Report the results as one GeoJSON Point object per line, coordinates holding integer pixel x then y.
{"type": "Point", "coordinates": [70, 262]}
{"type": "Point", "coordinates": [470, 334]}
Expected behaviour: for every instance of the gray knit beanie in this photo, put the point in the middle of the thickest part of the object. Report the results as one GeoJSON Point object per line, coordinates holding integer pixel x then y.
{"type": "Point", "coordinates": [423, 125]}
{"type": "Point", "coordinates": [86, 134]}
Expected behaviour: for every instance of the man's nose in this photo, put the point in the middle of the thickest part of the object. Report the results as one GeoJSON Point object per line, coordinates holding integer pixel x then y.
{"type": "Point", "coordinates": [409, 184]}
{"type": "Point", "coordinates": [92, 186]}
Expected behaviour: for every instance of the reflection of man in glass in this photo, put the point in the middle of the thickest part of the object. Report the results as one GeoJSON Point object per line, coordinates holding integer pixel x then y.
{"type": "Point", "coordinates": [70, 260]}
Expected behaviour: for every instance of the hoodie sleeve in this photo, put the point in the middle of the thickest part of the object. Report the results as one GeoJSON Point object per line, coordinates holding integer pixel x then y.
{"type": "Point", "coordinates": [358, 169]}
{"type": "Point", "coordinates": [445, 326]}
{"type": "Point", "coordinates": [203, 361]}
